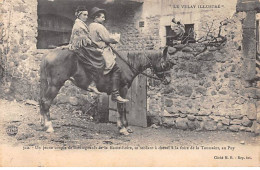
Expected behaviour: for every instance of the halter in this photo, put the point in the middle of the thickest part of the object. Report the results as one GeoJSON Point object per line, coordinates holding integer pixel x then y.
{"type": "Point", "coordinates": [153, 71]}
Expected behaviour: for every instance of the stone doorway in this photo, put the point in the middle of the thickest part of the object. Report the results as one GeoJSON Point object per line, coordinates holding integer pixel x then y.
{"type": "Point", "coordinates": [250, 46]}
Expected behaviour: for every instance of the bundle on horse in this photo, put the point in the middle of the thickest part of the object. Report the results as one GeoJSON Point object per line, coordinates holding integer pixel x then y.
{"type": "Point", "coordinates": [60, 65]}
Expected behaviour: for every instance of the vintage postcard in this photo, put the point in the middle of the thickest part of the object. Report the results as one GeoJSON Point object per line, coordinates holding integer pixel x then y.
{"type": "Point", "coordinates": [112, 83]}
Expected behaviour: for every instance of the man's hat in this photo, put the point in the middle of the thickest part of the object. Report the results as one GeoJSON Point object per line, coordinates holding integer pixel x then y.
{"type": "Point", "coordinates": [96, 10]}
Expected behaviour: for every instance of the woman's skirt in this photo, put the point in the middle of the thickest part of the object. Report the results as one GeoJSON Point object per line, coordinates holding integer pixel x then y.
{"type": "Point", "coordinates": [92, 60]}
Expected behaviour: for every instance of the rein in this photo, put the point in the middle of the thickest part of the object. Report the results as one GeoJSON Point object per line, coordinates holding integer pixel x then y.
{"type": "Point", "coordinates": [147, 75]}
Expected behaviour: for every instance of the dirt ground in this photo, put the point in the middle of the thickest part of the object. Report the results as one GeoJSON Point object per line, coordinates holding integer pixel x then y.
{"type": "Point", "coordinates": [72, 129]}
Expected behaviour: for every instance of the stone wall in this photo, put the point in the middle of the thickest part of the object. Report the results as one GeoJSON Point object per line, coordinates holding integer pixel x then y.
{"type": "Point", "coordinates": [208, 91]}
{"type": "Point", "coordinates": [133, 37]}
{"type": "Point", "coordinates": [21, 59]}
{"type": "Point", "coordinates": [18, 48]}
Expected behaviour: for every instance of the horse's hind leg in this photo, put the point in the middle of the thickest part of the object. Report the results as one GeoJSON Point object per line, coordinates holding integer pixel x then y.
{"type": "Point", "coordinates": [45, 105]}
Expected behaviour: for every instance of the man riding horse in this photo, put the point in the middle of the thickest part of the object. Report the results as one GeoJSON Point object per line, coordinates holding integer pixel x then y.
{"type": "Point", "coordinates": [92, 47]}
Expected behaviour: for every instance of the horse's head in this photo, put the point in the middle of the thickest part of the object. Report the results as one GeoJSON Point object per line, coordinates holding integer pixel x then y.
{"type": "Point", "coordinates": [160, 66]}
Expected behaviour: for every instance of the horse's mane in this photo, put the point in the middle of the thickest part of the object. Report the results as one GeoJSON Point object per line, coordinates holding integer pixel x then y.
{"type": "Point", "coordinates": [141, 59]}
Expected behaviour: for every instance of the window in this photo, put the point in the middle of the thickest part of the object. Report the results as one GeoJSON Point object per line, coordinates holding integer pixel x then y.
{"type": "Point", "coordinates": [53, 31]}
{"type": "Point", "coordinates": [187, 37]}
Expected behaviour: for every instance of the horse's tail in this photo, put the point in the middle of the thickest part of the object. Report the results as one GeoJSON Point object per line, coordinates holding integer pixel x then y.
{"type": "Point", "coordinates": [43, 79]}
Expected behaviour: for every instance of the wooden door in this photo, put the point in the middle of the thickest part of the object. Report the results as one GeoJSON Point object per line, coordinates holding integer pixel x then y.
{"type": "Point", "coordinates": [137, 106]}
{"type": "Point", "coordinates": [53, 30]}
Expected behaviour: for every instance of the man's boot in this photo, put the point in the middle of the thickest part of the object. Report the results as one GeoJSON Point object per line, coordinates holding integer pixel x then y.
{"type": "Point", "coordinates": [116, 73]}
{"type": "Point", "coordinates": [117, 98]}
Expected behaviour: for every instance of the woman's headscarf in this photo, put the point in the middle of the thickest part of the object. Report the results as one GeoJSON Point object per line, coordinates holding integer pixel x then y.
{"type": "Point", "coordinates": [79, 11]}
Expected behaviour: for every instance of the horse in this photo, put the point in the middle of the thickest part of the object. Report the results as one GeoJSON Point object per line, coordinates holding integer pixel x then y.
{"type": "Point", "coordinates": [62, 64]}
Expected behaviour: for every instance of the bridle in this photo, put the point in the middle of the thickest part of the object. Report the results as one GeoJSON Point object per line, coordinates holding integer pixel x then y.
{"type": "Point", "coordinates": [162, 66]}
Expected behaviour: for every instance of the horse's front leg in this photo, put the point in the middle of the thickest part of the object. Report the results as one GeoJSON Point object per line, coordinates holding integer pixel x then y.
{"type": "Point", "coordinates": [122, 110]}
{"type": "Point", "coordinates": [121, 119]}
{"type": "Point", "coordinates": [124, 120]}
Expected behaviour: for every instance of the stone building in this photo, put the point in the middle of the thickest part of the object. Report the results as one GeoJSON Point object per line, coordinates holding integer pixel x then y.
{"type": "Point", "coordinates": [215, 90]}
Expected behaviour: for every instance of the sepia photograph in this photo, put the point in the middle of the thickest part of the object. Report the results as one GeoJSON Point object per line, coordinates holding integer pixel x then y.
{"type": "Point", "coordinates": [129, 83]}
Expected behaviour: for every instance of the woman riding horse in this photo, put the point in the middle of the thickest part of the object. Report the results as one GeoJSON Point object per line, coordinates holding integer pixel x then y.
{"type": "Point", "coordinates": [80, 43]}
{"type": "Point", "coordinates": [91, 54]}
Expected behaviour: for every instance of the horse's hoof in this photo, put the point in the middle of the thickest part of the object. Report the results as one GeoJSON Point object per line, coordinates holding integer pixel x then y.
{"type": "Point", "coordinates": [123, 131]}
{"type": "Point", "coordinates": [129, 130]}
{"type": "Point", "coordinates": [50, 130]}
